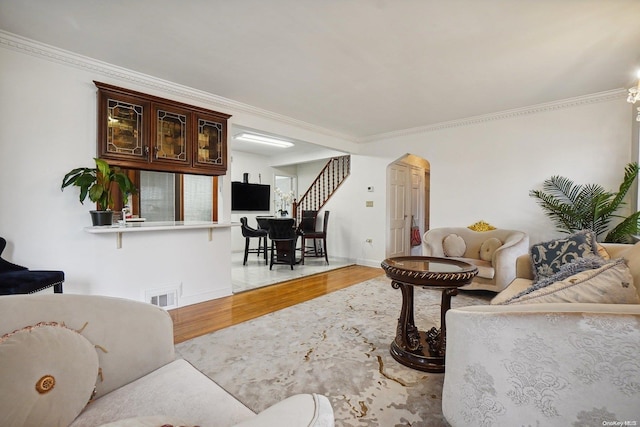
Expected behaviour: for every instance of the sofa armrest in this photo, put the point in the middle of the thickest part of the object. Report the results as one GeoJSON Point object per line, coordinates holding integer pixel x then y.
{"type": "Point", "coordinates": [515, 365]}
{"type": "Point", "coordinates": [300, 410]}
{"type": "Point", "coordinates": [504, 259]}
{"type": "Point", "coordinates": [133, 338]}
{"type": "Point", "coordinates": [524, 267]}
{"type": "Point", "coordinates": [432, 243]}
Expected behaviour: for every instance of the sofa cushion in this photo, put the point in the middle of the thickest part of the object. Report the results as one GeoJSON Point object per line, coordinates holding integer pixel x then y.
{"type": "Point", "coordinates": [602, 251]}
{"type": "Point", "coordinates": [149, 421]}
{"type": "Point", "coordinates": [632, 256]}
{"type": "Point", "coordinates": [200, 401]}
{"type": "Point", "coordinates": [548, 257]}
{"type": "Point", "coordinates": [518, 285]}
{"type": "Point", "coordinates": [453, 246]}
{"type": "Point", "coordinates": [488, 248]}
{"type": "Point", "coordinates": [485, 269]}
{"type": "Point", "coordinates": [610, 284]}
{"type": "Point", "coordinates": [48, 376]}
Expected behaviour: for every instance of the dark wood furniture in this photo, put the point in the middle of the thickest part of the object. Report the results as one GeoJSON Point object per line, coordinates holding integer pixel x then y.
{"type": "Point", "coordinates": [140, 131]}
{"type": "Point", "coordinates": [16, 279]}
{"type": "Point", "coordinates": [248, 233]}
{"type": "Point", "coordinates": [420, 350]}
{"type": "Point", "coordinates": [308, 231]}
{"type": "Point", "coordinates": [283, 237]}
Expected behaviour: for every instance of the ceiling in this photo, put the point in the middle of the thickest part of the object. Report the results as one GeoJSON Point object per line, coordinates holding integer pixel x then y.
{"type": "Point", "coordinates": [358, 68]}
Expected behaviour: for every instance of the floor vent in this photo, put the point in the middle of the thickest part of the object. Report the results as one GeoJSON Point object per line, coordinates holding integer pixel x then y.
{"type": "Point", "coordinates": [164, 298]}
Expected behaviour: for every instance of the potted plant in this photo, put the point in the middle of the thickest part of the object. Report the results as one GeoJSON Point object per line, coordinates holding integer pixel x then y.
{"type": "Point", "coordinates": [574, 207]}
{"type": "Point", "coordinates": [99, 184]}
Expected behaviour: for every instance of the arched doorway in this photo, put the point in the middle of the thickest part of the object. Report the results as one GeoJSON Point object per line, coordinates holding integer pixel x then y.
{"type": "Point", "coordinates": [408, 188]}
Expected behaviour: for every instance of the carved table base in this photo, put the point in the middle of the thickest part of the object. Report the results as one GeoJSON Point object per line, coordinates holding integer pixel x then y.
{"type": "Point", "coordinates": [424, 350]}
{"type": "Point", "coordinates": [418, 349]}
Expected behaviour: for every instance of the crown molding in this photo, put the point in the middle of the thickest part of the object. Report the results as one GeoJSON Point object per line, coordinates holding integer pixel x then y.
{"type": "Point", "coordinates": [507, 114]}
{"type": "Point", "coordinates": [61, 56]}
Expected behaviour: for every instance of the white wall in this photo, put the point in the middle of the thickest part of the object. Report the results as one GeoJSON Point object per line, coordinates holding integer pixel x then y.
{"type": "Point", "coordinates": [48, 110]}
{"type": "Point", "coordinates": [485, 170]}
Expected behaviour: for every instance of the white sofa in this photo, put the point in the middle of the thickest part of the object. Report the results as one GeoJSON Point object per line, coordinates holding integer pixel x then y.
{"type": "Point", "coordinates": [140, 383]}
{"type": "Point", "coordinates": [547, 364]}
{"type": "Point", "coordinates": [494, 273]}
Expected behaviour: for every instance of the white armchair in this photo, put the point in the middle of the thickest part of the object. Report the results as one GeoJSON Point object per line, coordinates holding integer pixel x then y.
{"type": "Point", "coordinates": [496, 269]}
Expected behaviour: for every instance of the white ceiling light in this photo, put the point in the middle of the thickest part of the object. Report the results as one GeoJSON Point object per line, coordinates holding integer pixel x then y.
{"type": "Point", "coordinates": [634, 95]}
{"type": "Point", "coordinates": [261, 139]}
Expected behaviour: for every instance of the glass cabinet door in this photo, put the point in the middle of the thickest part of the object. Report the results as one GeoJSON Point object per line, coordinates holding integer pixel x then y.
{"type": "Point", "coordinates": [170, 132]}
{"type": "Point", "coordinates": [211, 143]}
{"type": "Point", "coordinates": [122, 127]}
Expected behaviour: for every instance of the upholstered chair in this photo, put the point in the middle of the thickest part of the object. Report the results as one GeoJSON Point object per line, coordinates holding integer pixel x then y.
{"type": "Point", "coordinates": [248, 233]}
{"type": "Point", "coordinates": [494, 252]}
{"type": "Point", "coordinates": [16, 279]}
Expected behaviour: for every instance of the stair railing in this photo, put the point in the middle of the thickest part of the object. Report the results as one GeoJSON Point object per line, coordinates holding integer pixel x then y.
{"type": "Point", "coordinates": [322, 188]}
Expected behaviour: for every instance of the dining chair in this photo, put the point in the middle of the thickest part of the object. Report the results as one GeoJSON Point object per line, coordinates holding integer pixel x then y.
{"type": "Point", "coordinates": [249, 233]}
{"type": "Point", "coordinates": [314, 235]}
{"type": "Point", "coordinates": [283, 236]}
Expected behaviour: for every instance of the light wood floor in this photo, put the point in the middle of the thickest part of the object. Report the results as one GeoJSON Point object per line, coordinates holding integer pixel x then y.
{"type": "Point", "coordinates": [199, 319]}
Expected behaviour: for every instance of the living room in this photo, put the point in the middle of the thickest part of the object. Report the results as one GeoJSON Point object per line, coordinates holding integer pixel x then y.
{"type": "Point", "coordinates": [482, 167]}
{"type": "Point", "coordinates": [531, 91]}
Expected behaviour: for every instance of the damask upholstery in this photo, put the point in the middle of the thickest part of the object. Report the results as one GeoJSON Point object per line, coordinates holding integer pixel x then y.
{"type": "Point", "coordinates": [563, 364]}
{"type": "Point", "coordinates": [496, 271]}
{"type": "Point", "coordinates": [549, 257]}
{"type": "Point", "coordinates": [544, 364]}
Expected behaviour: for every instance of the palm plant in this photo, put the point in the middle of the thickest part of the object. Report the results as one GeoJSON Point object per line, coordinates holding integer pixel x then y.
{"type": "Point", "coordinates": [573, 207]}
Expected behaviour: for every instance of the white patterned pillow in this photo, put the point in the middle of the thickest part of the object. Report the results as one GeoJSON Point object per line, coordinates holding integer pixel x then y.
{"type": "Point", "coordinates": [610, 284]}
{"type": "Point", "coordinates": [453, 246]}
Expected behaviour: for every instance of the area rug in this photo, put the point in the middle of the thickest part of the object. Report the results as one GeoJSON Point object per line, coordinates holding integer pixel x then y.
{"type": "Point", "coordinates": [336, 345]}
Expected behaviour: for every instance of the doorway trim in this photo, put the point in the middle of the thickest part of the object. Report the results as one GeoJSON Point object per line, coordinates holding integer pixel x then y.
{"type": "Point", "coordinates": [416, 204]}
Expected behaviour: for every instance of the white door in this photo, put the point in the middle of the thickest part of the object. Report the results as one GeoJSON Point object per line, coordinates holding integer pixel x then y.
{"type": "Point", "coordinates": [397, 186]}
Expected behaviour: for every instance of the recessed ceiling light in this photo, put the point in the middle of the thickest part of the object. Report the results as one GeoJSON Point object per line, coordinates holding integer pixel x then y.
{"type": "Point", "coordinates": [261, 139]}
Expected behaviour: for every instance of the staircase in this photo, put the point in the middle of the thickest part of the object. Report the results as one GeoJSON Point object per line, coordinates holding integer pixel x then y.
{"type": "Point", "coordinates": [326, 183]}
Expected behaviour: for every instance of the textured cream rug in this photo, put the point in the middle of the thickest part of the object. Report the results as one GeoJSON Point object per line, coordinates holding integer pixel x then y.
{"type": "Point", "coordinates": [336, 345]}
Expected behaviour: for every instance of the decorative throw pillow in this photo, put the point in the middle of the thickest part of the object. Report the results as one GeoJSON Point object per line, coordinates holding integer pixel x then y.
{"type": "Point", "coordinates": [567, 270]}
{"type": "Point", "coordinates": [488, 248]}
{"type": "Point", "coordinates": [48, 375]}
{"type": "Point", "coordinates": [610, 284]}
{"type": "Point", "coordinates": [453, 245]}
{"type": "Point", "coordinates": [548, 257]}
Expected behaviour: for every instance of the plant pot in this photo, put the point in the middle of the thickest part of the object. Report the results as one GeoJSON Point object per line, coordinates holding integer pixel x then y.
{"type": "Point", "coordinates": [99, 218]}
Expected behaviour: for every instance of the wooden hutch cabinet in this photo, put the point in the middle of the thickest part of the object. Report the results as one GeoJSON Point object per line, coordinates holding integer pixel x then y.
{"type": "Point", "coordinates": [140, 131]}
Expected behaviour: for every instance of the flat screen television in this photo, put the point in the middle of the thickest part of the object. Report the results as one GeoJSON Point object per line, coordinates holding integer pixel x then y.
{"type": "Point", "coordinates": [250, 197]}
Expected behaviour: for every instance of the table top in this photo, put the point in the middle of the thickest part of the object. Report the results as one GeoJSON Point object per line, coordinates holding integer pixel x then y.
{"type": "Point", "coordinates": [429, 271]}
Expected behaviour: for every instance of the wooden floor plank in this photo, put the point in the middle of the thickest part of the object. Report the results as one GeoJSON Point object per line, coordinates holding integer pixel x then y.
{"type": "Point", "coordinates": [199, 319]}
